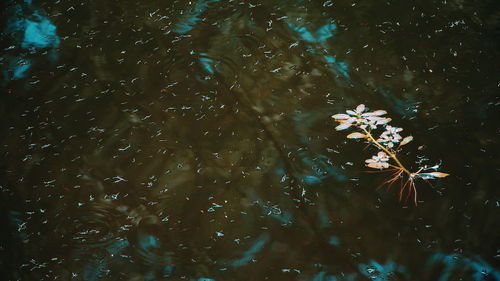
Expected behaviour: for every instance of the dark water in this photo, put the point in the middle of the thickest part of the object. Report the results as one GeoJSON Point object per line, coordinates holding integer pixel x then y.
{"type": "Point", "coordinates": [192, 140]}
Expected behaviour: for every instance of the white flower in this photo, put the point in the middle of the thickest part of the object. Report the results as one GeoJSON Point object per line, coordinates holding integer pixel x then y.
{"type": "Point", "coordinates": [378, 161]}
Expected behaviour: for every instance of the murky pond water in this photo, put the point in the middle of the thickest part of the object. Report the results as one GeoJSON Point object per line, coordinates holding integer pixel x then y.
{"type": "Point", "coordinates": [192, 140]}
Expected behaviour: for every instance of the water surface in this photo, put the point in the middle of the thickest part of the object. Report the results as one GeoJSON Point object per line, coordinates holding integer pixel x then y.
{"type": "Point", "coordinates": [192, 140]}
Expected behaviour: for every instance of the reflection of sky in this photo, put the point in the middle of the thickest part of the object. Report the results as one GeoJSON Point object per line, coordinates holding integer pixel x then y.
{"type": "Point", "coordinates": [402, 107]}
{"type": "Point", "coordinates": [322, 34]}
{"type": "Point", "coordinates": [380, 272]}
{"type": "Point", "coordinates": [93, 269]}
{"type": "Point", "coordinates": [191, 19]}
{"type": "Point", "coordinates": [320, 38]}
{"type": "Point", "coordinates": [479, 269]}
{"type": "Point", "coordinates": [323, 276]}
{"type": "Point", "coordinates": [19, 67]}
{"type": "Point", "coordinates": [207, 63]}
{"type": "Point", "coordinates": [449, 267]}
{"type": "Point", "coordinates": [249, 254]}
{"type": "Point", "coordinates": [323, 168]}
{"type": "Point", "coordinates": [188, 23]}
{"type": "Point", "coordinates": [36, 32]}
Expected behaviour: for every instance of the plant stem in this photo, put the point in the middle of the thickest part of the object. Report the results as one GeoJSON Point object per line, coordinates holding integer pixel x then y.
{"type": "Point", "coordinates": [386, 150]}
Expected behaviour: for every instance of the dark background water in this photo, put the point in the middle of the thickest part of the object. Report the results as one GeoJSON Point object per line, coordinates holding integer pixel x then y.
{"type": "Point", "coordinates": [192, 140]}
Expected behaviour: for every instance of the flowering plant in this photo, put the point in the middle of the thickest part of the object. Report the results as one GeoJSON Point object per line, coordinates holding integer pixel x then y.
{"type": "Point", "coordinates": [389, 144]}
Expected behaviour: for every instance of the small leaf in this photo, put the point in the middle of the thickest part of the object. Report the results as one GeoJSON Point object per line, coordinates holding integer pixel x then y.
{"type": "Point", "coordinates": [356, 135]}
{"type": "Point", "coordinates": [360, 108]}
{"type": "Point", "coordinates": [340, 116]}
{"type": "Point", "coordinates": [406, 140]}
{"type": "Point", "coordinates": [379, 112]}
{"type": "Point", "coordinates": [438, 174]}
{"type": "Point", "coordinates": [383, 121]}
{"type": "Point", "coordinates": [433, 175]}
{"type": "Point", "coordinates": [343, 126]}
{"type": "Point", "coordinates": [375, 113]}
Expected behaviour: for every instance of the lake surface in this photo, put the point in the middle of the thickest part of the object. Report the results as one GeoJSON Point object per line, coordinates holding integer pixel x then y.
{"type": "Point", "coordinates": [193, 140]}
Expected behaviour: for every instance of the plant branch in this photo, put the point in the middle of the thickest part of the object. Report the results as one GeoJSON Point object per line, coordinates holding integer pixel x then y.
{"type": "Point", "coordinates": [386, 150]}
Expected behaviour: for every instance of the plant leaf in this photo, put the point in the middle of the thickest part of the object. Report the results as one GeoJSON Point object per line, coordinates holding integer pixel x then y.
{"type": "Point", "coordinates": [356, 135]}
{"type": "Point", "coordinates": [433, 175]}
{"type": "Point", "coordinates": [340, 116]}
{"type": "Point", "coordinates": [383, 121]}
{"type": "Point", "coordinates": [360, 108]}
{"type": "Point", "coordinates": [343, 126]}
{"type": "Point", "coordinates": [406, 140]}
{"type": "Point", "coordinates": [438, 174]}
{"type": "Point", "coordinates": [379, 112]}
{"type": "Point", "coordinates": [375, 113]}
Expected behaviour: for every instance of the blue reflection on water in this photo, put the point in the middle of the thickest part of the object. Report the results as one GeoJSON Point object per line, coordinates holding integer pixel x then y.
{"type": "Point", "coordinates": [322, 34]}
{"type": "Point", "coordinates": [379, 272]}
{"type": "Point", "coordinates": [322, 276]}
{"type": "Point", "coordinates": [30, 31]}
{"type": "Point", "coordinates": [249, 254]}
{"type": "Point", "coordinates": [400, 106]}
{"type": "Point", "coordinates": [480, 269]}
{"type": "Point", "coordinates": [326, 31]}
{"type": "Point", "coordinates": [190, 20]}
{"type": "Point", "coordinates": [320, 37]}
{"type": "Point", "coordinates": [207, 63]}
{"type": "Point", "coordinates": [334, 240]}
{"type": "Point", "coordinates": [303, 32]}
{"type": "Point", "coordinates": [147, 242]}
{"type": "Point", "coordinates": [18, 67]}
{"type": "Point", "coordinates": [117, 247]}
{"type": "Point", "coordinates": [341, 67]}
{"type": "Point", "coordinates": [323, 168]}
{"type": "Point", "coordinates": [93, 269]}
{"type": "Point", "coordinates": [19, 224]}
{"type": "Point", "coordinates": [39, 34]}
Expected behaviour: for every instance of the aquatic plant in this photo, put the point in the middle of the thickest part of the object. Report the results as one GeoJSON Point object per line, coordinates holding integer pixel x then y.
{"type": "Point", "coordinates": [389, 143]}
